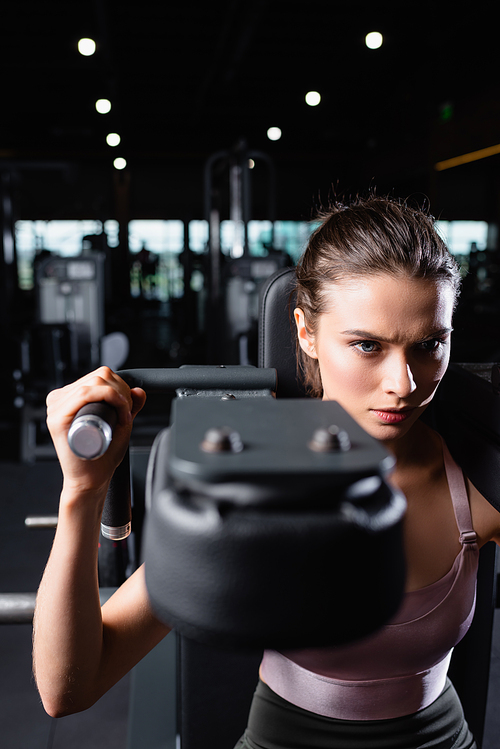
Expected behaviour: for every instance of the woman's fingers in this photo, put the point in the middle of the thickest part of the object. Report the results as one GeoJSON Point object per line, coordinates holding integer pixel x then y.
{"type": "Point", "coordinates": [63, 405]}
{"type": "Point", "coordinates": [101, 385]}
{"type": "Point", "coordinates": [138, 400]}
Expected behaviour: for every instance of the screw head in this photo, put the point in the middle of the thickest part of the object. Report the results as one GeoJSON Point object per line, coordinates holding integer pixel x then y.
{"type": "Point", "coordinates": [221, 440]}
{"type": "Point", "coordinates": [330, 439]}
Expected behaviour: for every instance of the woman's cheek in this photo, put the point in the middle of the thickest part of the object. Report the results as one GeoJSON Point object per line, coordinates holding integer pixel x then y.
{"type": "Point", "coordinates": [345, 379]}
{"type": "Point", "coordinates": [432, 380]}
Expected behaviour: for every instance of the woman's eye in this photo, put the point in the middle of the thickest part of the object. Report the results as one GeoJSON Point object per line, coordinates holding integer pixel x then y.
{"type": "Point", "coordinates": [431, 345]}
{"type": "Point", "coordinates": [367, 347]}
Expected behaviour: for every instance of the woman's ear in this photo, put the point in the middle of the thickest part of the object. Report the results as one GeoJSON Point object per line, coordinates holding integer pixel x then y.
{"type": "Point", "coordinates": [306, 340]}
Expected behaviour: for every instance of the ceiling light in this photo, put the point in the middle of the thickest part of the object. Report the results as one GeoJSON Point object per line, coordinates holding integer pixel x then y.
{"type": "Point", "coordinates": [119, 163]}
{"type": "Point", "coordinates": [86, 47]}
{"type": "Point", "coordinates": [103, 106]}
{"type": "Point", "coordinates": [113, 139]}
{"type": "Point", "coordinates": [374, 40]}
{"type": "Point", "coordinates": [313, 98]}
{"type": "Point", "coordinates": [274, 133]}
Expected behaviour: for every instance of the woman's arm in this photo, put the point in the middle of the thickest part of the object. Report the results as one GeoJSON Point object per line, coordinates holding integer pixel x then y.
{"type": "Point", "coordinates": [79, 652]}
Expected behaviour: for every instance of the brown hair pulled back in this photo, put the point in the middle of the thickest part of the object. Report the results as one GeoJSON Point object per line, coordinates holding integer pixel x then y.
{"type": "Point", "coordinates": [369, 236]}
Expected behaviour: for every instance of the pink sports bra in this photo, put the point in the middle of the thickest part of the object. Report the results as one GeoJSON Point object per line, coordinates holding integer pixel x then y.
{"type": "Point", "coordinates": [401, 668]}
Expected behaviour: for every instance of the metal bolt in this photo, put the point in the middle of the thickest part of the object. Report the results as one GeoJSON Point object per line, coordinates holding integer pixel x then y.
{"type": "Point", "coordinates": [331, 439]}
{"type": "Point", "coordinates": [220, 440]}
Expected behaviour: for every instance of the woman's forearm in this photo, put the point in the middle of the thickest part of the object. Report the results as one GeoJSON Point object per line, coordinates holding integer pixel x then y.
{"type": "Point", "coordinates": [68, 632]}
{"type": "Point", "coordinates": [78, 651]}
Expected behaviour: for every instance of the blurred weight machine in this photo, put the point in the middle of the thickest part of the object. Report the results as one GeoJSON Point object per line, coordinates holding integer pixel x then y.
{"type": "Point", "coordinates": [234, 281]}
{"type": "Point", "coordinates": [66, 340]}
{"type": "Point", "coordinates": [67, 337]}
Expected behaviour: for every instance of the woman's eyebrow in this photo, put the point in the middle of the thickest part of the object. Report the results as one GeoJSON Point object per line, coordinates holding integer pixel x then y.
{"type": "Point", "coordinates": [373, 336]}
{"type": "Point", "coordinates": [365, 334]}
{"type": "Point", "coordinates": [436, 334]}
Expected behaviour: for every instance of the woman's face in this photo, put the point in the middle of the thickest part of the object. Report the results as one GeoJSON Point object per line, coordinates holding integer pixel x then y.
{"type": "Point", "coordinates": [383, 346]}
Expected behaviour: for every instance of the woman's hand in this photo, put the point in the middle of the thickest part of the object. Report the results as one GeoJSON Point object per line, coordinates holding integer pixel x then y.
{"type": "Point", "coordinates": [63, 405]}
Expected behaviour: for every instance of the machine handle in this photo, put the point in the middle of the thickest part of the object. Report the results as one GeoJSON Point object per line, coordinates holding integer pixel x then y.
{"type": "Point", "coordinates": [116, 520]}
{"type": "Point", "coordinates": [89, 437]}
{"type": "Point", "coordinates": [91, 431]}
{"type": "Point", "coordinates": [168, 380]}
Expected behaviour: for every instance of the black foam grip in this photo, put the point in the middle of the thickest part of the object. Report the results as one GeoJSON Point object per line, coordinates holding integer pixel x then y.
{"type": "Point", "coordinates": [102, 409]}
{"type": "Point", "coordinates": [117, 508]}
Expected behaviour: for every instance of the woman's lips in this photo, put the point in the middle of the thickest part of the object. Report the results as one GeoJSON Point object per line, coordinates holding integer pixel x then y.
{"type": "Point", "coordinates": [393, 416]}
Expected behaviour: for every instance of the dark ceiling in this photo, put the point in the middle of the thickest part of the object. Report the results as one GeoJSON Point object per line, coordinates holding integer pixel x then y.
{"type": "Point", "coordinates": [187, 79]}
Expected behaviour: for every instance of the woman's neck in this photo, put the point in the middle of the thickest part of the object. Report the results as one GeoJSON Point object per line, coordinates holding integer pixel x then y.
{"type": "Point", "coordinates": [419, 456]}
{"type": "Point", "coordinates": [418, 446]}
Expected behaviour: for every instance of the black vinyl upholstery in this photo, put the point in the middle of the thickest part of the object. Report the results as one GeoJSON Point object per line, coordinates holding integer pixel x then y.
{"type": "Point", "coordinates": [277, 347]}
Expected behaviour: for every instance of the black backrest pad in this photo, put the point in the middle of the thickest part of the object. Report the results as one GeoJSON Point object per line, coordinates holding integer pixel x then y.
{"type": "Point", "coordinates": [277, 338]}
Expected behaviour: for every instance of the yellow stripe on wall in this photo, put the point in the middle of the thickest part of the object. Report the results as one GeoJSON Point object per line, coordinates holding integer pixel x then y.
{"type": "Point", "coordinates": [466, 158]}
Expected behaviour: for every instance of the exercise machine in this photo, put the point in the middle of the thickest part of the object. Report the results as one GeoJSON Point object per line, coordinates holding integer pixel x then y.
{"type": "Point", "coordinates": [472, 434]}
{"type": "Point", "coordinates": [218, 708]}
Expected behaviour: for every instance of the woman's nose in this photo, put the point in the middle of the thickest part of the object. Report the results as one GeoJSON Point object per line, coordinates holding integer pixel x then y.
{"type": "Point", "coordinates": [399, 378]}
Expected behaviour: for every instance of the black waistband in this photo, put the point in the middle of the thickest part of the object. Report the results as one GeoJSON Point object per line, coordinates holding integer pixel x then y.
{"type": "Point", "coordinates": [276, 724]}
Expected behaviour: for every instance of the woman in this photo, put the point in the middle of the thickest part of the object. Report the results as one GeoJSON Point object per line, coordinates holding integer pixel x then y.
{"type": "Point", "coordinates": [376, 290]}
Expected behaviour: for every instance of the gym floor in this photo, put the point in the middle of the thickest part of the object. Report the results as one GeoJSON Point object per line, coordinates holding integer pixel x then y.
{"type": "Point", "coordinates": [33, 489]}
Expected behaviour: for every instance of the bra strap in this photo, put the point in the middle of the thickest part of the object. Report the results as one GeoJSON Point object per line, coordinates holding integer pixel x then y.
{"type": "Point", "coordinates": [460, 499]}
